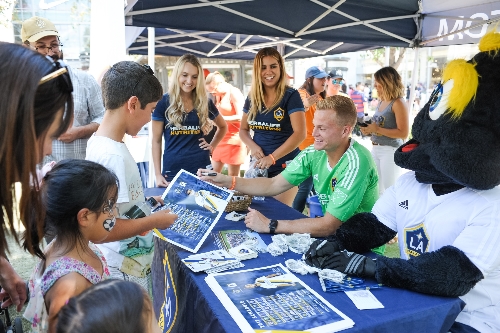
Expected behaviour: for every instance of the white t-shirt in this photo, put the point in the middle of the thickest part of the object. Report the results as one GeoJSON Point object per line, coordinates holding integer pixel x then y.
{"type": "Point", "coordinates": [466, 219]}
{"type": "Point", "coordinates": [116, 157]}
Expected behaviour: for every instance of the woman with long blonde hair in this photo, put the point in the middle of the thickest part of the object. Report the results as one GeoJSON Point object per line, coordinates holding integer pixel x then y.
{"type": "Point", "coordinates": [389, 127]}
{"type": "Point", "coordinates": [184, 117]}
{"type": "Point", "coordinates": [275, 113]}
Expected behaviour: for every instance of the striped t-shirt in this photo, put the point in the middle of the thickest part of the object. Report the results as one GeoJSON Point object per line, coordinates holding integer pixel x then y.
{"type": "Point", "coordinates": [358, 98]}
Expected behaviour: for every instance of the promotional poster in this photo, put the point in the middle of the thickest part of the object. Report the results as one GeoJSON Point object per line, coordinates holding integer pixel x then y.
{"type": "Point", "coordinates": [199, 206]}
{"type": "Point", "coordinates": [275, 299]}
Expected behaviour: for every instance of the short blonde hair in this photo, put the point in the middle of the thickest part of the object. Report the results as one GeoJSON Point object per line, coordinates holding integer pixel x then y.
{"type": "Point", "coordinates": [391, 82]}
{"type": "Point", "coordinates": [345, 110]}
{"type": "Point", "coordinates": [215, 77]}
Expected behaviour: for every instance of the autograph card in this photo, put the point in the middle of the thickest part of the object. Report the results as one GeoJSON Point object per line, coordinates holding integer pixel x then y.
{"type": "Point", "coordinates": [198, 204]}
{"type": "Point", "coordinates": [364, 299]}
{"type": "Point", "coordinates": [203, 261]}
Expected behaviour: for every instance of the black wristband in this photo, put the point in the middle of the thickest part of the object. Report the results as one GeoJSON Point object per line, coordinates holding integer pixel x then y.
{"type": "Point", "coordinates": [272, 226]}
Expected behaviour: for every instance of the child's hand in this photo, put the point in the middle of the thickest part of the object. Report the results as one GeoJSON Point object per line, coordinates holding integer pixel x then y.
{"type": "Point", "coordinates": [163, 219]}
{"type": "Point", "coordinates": [158, 199]}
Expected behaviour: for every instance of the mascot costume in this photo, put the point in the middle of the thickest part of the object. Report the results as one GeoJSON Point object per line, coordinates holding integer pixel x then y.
{"type": "Point", "coordinates": [446, 210]}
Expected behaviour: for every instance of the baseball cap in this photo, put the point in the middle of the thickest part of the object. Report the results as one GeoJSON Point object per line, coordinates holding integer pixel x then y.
{"type": "Point", "coordinates": [316, 72]}
{"type": "Point", "coordinates": [37, 27]}
{"type": "Point", "coordinates": [335, 73]}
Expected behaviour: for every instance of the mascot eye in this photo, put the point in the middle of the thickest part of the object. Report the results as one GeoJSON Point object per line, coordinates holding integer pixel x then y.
{"type": "Point", "coordinates": [439, 99]}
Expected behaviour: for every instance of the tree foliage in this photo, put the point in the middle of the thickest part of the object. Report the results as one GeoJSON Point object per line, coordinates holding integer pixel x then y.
{"type": "Point", "coordinates": [6, 7]}
{"type": "Point", "coordinates": [396, 56]}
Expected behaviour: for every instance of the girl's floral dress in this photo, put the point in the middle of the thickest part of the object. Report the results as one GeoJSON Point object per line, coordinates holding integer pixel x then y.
{"type": "Point", "coordinates": [41, 281]}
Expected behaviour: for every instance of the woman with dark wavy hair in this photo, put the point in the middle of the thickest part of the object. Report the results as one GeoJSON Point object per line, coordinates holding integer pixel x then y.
{"type": "Point", "coordinates": [37, 106]}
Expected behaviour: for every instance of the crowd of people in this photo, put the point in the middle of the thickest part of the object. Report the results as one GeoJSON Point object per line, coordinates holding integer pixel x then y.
{"type": "Point", "coordinates": [302, 138]}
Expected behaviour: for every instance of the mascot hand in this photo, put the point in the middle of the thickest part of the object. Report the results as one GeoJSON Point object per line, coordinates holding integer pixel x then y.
{"type": "Point", "coordinates": [350, 263]}
{"type": "Point", "coordinates": [320, 249]}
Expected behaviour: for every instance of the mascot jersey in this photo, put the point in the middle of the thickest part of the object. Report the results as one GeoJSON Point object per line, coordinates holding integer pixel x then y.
{"type": "Point", "coordinates": [273, 128]}
{"type": "Point", "coordinates": [447, 210]}
{"type": "Point", "coordinates": [466, 219]}
{"type": "Point", "coordinates": [182, 149]}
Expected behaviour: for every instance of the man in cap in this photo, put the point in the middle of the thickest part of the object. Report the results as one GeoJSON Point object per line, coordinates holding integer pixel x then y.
{"type": "Point", "coordinates": [41, 35]}
{"type": "Point", "coordinates": [311, 91]}
{"type": "Point", "coordinates": [334, 83]}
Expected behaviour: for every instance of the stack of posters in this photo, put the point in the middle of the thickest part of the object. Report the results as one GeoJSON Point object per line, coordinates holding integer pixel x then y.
{"type": "Point", "coordinates": [272, 298]}
{"type": "Point", "coordinates": [199, 206]}
{"type": "Point", "coordinates": [208, 260]}
{"type": "Point", "coordinates": [228, 239]}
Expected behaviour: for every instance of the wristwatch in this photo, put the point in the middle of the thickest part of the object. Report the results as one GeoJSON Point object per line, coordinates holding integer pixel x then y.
{"type": "Point", "coordinates": [272, 226]}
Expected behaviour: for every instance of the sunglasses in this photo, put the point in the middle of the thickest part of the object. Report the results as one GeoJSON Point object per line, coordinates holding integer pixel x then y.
{"type": "Point", "coordinates": [149, 71]}
{"type": "Point", "coordinates": [45, 49]}
{"type": "Point", "coordinates": [338, 81]}
{"type": "Point", "coordinates": [62, 74]}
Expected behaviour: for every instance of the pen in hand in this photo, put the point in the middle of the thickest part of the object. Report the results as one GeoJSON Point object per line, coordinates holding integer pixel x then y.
{"type": "Point", "coordinates": [312, 253]}
{"type": "Point", "coordinates": [321, 245]}
{"type": "Point", "coordinates": [209, 173]}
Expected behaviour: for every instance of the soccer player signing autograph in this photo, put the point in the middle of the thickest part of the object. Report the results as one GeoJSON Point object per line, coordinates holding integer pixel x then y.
{"type": "Point", "coordinates": [343, 171]}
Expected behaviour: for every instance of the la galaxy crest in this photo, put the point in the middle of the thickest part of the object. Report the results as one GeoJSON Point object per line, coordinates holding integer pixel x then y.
{"type": "Point", "coordinates": [334, 183]}
{"type": "Point", "coordinates": [279, 114]}
{"type": "Point", "coordinates": [416, 241]}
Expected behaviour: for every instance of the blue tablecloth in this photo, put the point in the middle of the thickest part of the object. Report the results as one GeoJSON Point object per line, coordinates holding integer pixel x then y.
{"type": "Point", "coordinates": [187, 304]}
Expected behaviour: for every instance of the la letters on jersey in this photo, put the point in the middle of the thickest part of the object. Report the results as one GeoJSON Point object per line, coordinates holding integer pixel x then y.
{"type": "Point", "coordinates": [185, 130]}
{"type": "Point", "coordinates": [416, 240]}
{"type": "Point", "coordinates": [260, 125]}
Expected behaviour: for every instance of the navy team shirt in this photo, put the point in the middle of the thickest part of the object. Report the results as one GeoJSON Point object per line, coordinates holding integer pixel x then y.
{"type": "Point", "coordinates": [273, 128]}
{"type": "Point", "coordinates": [182, 149]}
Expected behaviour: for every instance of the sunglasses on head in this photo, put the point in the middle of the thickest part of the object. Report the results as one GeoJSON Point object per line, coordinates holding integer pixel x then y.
{"type": "Point", "coordinates": [62, 74]}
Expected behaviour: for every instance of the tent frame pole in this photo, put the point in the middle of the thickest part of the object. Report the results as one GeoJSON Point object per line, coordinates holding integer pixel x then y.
{"type": "Point", "coordinates": [151, 63]}
{"type": "Point", "coordinates": [413, 81]}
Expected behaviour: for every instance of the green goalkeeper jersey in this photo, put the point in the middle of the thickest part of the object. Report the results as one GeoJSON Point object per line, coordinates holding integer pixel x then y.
{"type": "Point", "coordinates": [348, 188]}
